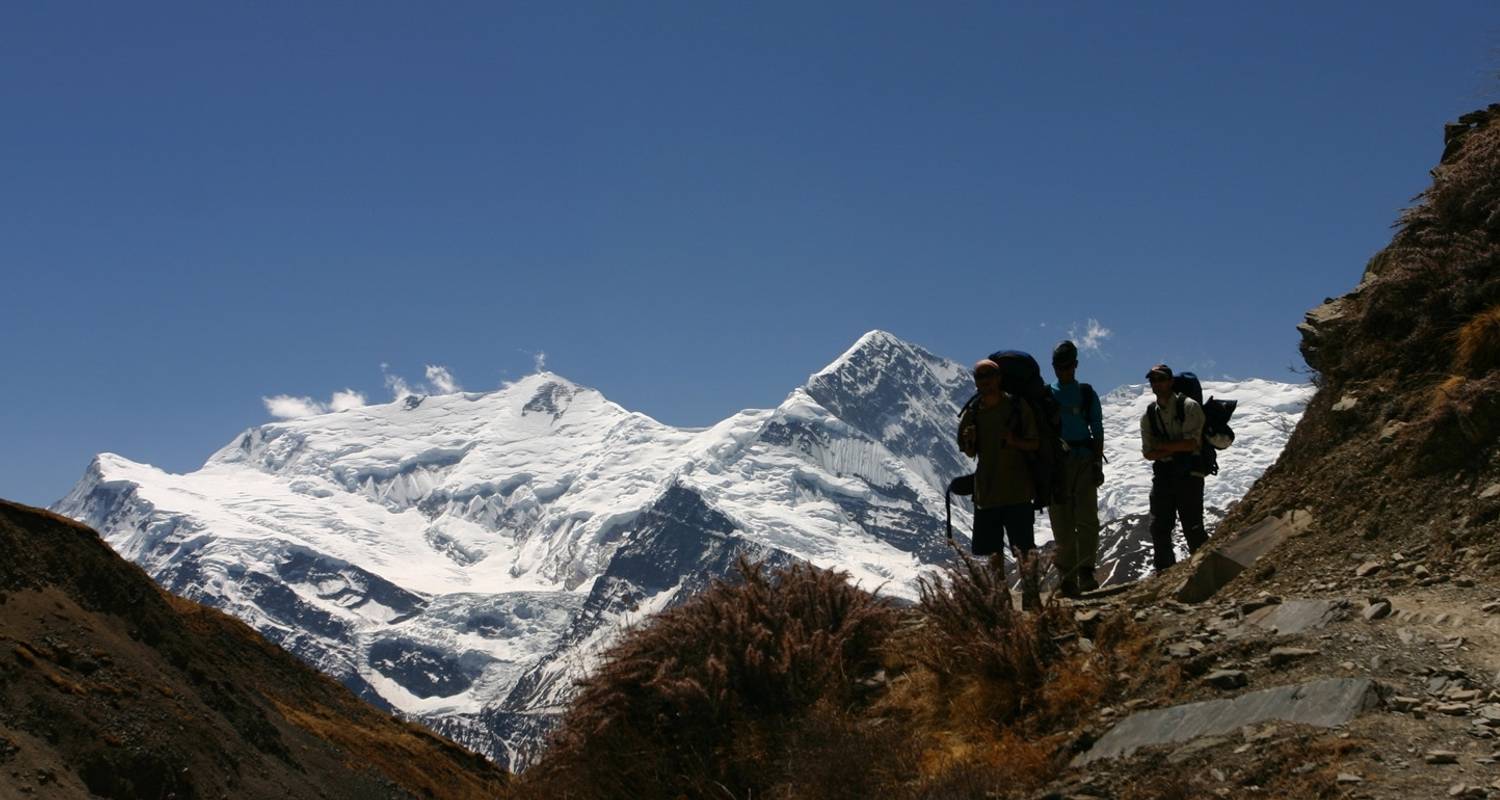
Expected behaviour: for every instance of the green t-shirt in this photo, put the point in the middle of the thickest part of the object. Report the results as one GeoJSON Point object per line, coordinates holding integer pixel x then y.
{"type": "Point", "coordinates": [1001, 478]}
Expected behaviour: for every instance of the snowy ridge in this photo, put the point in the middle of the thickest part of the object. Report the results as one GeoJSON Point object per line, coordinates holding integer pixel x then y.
{"type": "Point", "coordinates": [462, 558]}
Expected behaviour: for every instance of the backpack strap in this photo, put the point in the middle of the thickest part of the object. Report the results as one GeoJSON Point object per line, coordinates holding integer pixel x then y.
{"type": "Point", "coordinates": [1089, 396]}
{"type": "Point", "coordinates": [1181, 408]}
{"type": "Point", "coordinates": [1158, 429]}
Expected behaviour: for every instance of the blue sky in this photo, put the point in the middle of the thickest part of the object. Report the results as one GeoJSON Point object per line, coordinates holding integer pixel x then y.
{"type": "Point", "coordinates": [690, 206]}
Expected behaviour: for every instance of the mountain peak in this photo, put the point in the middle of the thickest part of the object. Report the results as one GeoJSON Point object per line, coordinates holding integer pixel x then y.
{"type": "Point", "coordinates": [870, 353]}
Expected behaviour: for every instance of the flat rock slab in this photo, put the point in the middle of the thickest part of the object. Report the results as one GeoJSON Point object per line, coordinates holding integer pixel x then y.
{"type": "Point", "coordinates": [1297, 616]}
{"type": "Point", "coordinates": [1214, 568]}
{"type": "Point", "coordinates": [1324, 703]}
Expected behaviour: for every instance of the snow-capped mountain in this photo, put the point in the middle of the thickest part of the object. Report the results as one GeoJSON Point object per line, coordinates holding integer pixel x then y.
{"type": "Point", "coordinates": [462, 557]}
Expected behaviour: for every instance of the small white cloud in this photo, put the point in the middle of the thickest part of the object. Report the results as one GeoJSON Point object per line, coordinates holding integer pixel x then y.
{"type": "Point", "coordinates": [442, 380]}
{"type": "Point", "coordinates": [345, 400]}
{"type": "Point", "coordinates": [1089, 336]}
{"type": "Point", "coordinates": [398, 385]}
{"type": "Point", "coordinates": [539, 360]}
{"type": "Point", "coordinates": [284, 406]}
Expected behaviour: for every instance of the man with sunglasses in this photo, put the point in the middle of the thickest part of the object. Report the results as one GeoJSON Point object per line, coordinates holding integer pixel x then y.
{"type": "Point", "coordinates": [1171, 435]}
{"type": "Point", "coordinates": [998, 430]}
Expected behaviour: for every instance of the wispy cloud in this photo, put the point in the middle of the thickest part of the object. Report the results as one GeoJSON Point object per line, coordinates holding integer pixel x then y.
{"type": "Point", "coordinates": [442, 380]}
{"type": "Point", "coordinates": [1089, 336]}
{"type": "Point", "coordinates": [398, 385]}
{"type": "Point", "coordinates": [285, 406]}
{"type": "Point", "coordinates": [345, 400]}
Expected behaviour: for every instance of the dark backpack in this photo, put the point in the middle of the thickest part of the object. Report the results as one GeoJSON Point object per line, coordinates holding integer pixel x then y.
{"type": "Point", "coordinates": [1021, 378]}
{"type": "Point", "coordinates": [1217, 435]}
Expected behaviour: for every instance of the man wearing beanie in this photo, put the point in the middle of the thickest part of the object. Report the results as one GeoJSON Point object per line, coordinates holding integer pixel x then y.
{"type": "Point", "coordinates": [1171, 435]}
{"type": "Point", "coordinates": [1075, 508]}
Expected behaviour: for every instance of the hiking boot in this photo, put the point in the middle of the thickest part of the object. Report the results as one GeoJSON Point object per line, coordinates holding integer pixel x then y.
{"type": "Point", "coordinates": [1068, 587]}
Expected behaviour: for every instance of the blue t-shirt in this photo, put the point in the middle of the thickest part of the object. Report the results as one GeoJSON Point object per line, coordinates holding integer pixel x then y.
{"type": "Point", "coordinates": [1074, 429]}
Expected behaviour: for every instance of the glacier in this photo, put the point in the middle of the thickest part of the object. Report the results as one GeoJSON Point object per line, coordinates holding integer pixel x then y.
{"type": "Point", "coordinates": [463, 558]}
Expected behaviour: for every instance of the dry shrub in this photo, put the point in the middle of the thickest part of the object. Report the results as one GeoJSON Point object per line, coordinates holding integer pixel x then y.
{"type": "Point", "coordinates": [1478, 350]}
{"type": "Point", "coordinates": [997, 689]}
{"type": "Point", "coordinates": [834, 753]}
{"type": "Point", "coordinates": [1445, 392]}
{"type": "Point", "coordinates": [990, 761]}
{"type": "Point", "coordinates": [983, 650]}
{"type": "Point", "coordinates": [709, 698]}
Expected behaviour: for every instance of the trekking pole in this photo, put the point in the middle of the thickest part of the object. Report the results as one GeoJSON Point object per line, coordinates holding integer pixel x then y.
{"type": "Point", "coordinates": [948, 504]}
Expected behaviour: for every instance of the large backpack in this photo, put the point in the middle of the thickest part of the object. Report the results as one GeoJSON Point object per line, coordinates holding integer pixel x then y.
{"type": "Point", "coordinates": [1021, 378]}
{"type": "Point", "coordinates": [1217, 435]}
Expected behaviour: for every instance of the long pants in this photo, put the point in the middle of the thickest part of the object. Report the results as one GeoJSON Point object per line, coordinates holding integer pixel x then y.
{"type": "Point", "coordinates": [1075, 518]}
{"type": "Point", "coordinates": [1176, 496]}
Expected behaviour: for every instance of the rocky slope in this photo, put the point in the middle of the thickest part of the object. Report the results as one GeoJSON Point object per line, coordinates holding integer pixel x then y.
{"type": "Point", "coordinates": [110, 687]}
{"type": "Point", "coordinates": [1378, 536]}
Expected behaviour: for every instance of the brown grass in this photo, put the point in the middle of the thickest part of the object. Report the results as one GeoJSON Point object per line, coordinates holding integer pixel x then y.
{"type": "Point", "coordinates": [996, 689]}
{"type": "Point", "coordinates": [401, 751]}
{"type": "Point", "coordinates": [1445, 392]}
{"type": "Point", "coordinates": [714, 698]}
{"type": "Point", "coordinates": [1478, 351]}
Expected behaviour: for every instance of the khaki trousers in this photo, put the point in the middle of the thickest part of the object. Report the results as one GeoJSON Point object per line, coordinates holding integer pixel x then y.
{"type": "Point", "coordinates": [1075, 517]}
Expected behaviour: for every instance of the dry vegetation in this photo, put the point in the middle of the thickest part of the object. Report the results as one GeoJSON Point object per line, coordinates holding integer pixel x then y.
{"type": "Point", "coordinates": [798, 685]}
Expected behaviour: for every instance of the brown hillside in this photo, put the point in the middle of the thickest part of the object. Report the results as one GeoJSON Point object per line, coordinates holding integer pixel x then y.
{"type": "Point", "coordinates": [111, 687]}
{"type": "Point", "coordinates": [1398, 446]}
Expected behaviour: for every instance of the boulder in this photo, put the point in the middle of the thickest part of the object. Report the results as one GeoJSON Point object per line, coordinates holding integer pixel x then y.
{"type": "Point", "coordinates": [1227, 678]}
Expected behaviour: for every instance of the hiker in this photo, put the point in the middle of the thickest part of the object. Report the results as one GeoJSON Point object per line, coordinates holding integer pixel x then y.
{"type": "Point", "coordinates": [1074, 510]}
{"type": "Point", "coordinates": [1171, 438]}
{"type": "Point", "coordinates": [997, 430]}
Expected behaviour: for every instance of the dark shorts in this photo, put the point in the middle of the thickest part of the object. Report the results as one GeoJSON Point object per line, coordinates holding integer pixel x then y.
{"type": "Point", "coordinates": [993, 527]}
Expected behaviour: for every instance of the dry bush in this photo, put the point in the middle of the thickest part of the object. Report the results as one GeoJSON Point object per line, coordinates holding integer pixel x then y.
{"type": "Point", "coordinates": [974, 632]}
{"type": "Point", "coordinates": [1478, 351]}
{"type": "Point", "coordinates": [708, 699]}
{"type": "Point", "coordinates": [997, 689]}
{"type": "Point", "coordinates": [1445, 392]}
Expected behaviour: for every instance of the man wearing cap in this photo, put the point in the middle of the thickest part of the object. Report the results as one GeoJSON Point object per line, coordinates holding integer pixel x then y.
{"type": "Point", "coordinates": [1075, 509]}
{"type": "Point", "coordinates": [997, 430]}
{"type": "Point", "coordinates": [1171, 434]}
